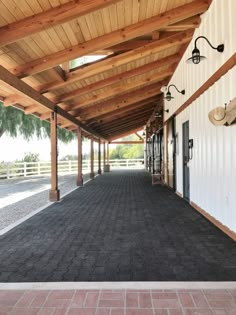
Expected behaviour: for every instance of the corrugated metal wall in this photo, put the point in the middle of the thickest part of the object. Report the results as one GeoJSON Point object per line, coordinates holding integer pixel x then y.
{"type": "Point", "coordinates": [213, 167]}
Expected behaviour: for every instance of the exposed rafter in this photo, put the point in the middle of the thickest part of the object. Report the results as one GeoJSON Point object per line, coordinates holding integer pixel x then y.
{"type": "Point", "coordinates": [110, 63]}
{"type": "Point", "coordinates": [44, 20]}
{"type": "Point", "coordinates": [115, 37]}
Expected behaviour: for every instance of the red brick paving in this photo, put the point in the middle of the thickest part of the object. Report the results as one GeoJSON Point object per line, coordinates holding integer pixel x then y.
{"type": "Point", "coordinates": [118, 302]}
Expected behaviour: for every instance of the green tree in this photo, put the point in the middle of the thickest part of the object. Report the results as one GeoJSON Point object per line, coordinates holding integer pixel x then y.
{"type": "Point", "coordinates": [128, 151]}
{"type": "Point", "coordinates": [14, 122]}
{"type": "Point", "coordinates": [31, 157]}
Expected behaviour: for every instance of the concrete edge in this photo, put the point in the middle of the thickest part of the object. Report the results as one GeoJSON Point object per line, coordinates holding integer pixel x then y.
{"type": "Point", "coordinates": [119, 286]}
{"type": "Point", "coordinates": [28, 216]}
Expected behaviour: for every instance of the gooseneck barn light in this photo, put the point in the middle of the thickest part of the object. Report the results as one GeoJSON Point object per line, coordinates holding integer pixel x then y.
{"type": "Point", "coordinates": [168, 96]}
{"type": "Point", "coordinates": [196, 56]}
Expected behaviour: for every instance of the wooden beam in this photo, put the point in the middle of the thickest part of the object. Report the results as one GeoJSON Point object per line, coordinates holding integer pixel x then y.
{"type": "Point", "coordinates": [111, 63]}
{"type": "Point", "coordinates": [24, 89]}
{"type": "Point", "coordinates": [139, 136]}
{"type": "Point", "coordinates": [133, 85]}
{"type": "Point", "coordinates": [79, 181]}
{"type": "Point", "coordinates": [118, 77]}
{"type": "Point", "coordinates": [120, 102]}
{"type": "Point", "coordinates": [190, 23]}
{"type": "Point", "coordinates": [54, 193]}
{"type": "Point", "coordinates": [58, 73]}
{"type": "Point", "coordinates": [44, 20]}
{"type": "Point", "coordinates": [141, 28]}
{"type": "Point", "coordinates": [127, 142]}
{"type": "Point", "coordinates": [124, 134]}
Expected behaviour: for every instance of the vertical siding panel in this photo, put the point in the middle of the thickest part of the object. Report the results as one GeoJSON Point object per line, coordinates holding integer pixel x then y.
{"type": "Point", "coordinates": [213, 168]}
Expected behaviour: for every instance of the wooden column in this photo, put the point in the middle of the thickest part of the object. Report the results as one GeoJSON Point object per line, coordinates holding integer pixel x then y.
{"type": "Point", "coordinates": [79, 175]}
{"type": "Point", "coordinates": [92, 158]}
{"type": "Point", "coordinates": [99, 157]}
{"type": "Point", "coordinates": [54, 192]}
{"type": "Point", "coordinates": [107, 165]}
{"type": "Point", "coordinates": [104, 156]}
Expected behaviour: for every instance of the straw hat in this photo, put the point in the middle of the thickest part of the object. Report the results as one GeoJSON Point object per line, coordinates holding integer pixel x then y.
{"type": "Point", "coordinates": [217, 116]}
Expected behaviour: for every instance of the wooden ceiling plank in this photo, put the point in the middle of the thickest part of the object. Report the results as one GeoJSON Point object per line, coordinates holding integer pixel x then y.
{"type": "Point", "coordinates": [47, 19]}
{"type": "Point", "coordinates": [134, 85]}
{"type": "Point", "coordinates": [125, 101]}
{"type": "Point", "coordinates": [115, 37]}
{"type": "Point", "coordinates": [119, 113]}
{"type": "Point", "coordinates": [125, 120]}
{"type": "Point", "coordinates": [126, 126]}
{"type": "Point", "coordinates": [111, 63]}
{"type": "Point", "coordinates": [24, 89]}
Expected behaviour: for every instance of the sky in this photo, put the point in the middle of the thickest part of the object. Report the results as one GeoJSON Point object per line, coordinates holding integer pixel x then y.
{"type": "Point", "coordinates": [12, 149]}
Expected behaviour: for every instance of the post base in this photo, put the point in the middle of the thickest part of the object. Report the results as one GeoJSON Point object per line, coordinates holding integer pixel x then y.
{"type": "Point", "coordinates": [92, 175]}
{"type": "Point", "coordinates": [54, 195]}
{"type": "Point", "coordinates": [99, 171]}
{"type": "Point", "coordinates": [80, 181]}
{"type": "Point", "coordinates": [107, 168]}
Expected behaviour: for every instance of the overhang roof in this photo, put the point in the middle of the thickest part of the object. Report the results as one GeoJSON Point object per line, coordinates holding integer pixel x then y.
{"type": "Point", "coordinates": [143, 40]}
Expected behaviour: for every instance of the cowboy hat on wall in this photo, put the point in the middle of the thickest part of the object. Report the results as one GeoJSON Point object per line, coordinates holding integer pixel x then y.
{"type": "Point", "coordinates": [220, 116]}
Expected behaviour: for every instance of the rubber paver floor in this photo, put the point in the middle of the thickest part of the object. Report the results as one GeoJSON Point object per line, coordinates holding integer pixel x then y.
{"type": "Point", "coordinates": [118, 228]}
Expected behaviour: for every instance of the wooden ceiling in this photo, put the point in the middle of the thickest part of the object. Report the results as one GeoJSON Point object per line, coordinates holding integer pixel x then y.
{"type": "Point", "coordinates": [142, 42]}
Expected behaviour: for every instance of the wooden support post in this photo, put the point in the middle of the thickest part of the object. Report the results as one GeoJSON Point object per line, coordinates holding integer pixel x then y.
{"type": "Point", "coordinates": [92, 158]}
{"type": "Point", "coordinates": [79, 175]}
{"type": "Point", "coordinates": [104, 156]}
{"type": "Point", "coordinates": [107, 165]}
{"type": "Point", "coordinates": [99, 157]}
{"type": "Point", "coordinates": [54, 193]}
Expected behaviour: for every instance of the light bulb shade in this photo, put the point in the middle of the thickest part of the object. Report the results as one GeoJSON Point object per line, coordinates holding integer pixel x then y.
{"type": "Point", "coordinates": [168, 96]}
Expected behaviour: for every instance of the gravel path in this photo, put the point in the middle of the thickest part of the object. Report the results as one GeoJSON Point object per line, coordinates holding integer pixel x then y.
{"type": "Point", "coordinates": [20, 197]}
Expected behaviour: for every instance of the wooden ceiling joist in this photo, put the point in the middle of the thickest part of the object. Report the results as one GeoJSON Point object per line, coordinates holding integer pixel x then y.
{"type": "Point", "coordinates": [24, 89]}
{"type": "Point", "coordinates": [134, 30]}
{"type": "Point", "coordinates": [44, 20]}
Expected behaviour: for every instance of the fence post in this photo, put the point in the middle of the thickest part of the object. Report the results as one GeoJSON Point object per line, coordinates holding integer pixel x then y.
{"type": "Point", "coordinates": [25, 174]}
{"type": "Point", "coordinates": [127, 163]}
{"type": "Point", "coordinates": [69, 166]}
{"type": "Point", "coordinates": [8, 170]}
{"type": "Point", "coordinates": [38, 168]}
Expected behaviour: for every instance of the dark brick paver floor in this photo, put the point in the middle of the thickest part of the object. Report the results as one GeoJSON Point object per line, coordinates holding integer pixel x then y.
{"type": "Point", "coordinates": [117, 228]}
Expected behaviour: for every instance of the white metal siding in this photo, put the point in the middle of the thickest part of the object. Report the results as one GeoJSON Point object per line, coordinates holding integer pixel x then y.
{"type": "Point", "coordinates": [213, 168]}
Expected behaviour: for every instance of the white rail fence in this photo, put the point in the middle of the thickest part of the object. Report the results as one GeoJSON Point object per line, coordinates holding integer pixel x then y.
{"type": "Point", "coordinates": [26, 169]}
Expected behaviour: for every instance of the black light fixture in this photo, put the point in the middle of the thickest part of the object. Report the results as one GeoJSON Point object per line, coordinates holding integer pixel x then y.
{"type": "Point", "coordinates": [168, 96]}
{"type": "Point", "coordinates": [196, 56]}
{"type": "Point", "coordinates": [166, 110]}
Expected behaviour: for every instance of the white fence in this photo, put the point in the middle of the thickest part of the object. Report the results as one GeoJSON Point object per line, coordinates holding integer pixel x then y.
{"type": "Point", "coordinates": [25, 169]}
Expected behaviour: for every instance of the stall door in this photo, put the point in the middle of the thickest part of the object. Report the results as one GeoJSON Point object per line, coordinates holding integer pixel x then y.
{"type": "Point", "coordinates": [171, 153]}
{"type": "Point", "coordinates": [186, 181]}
